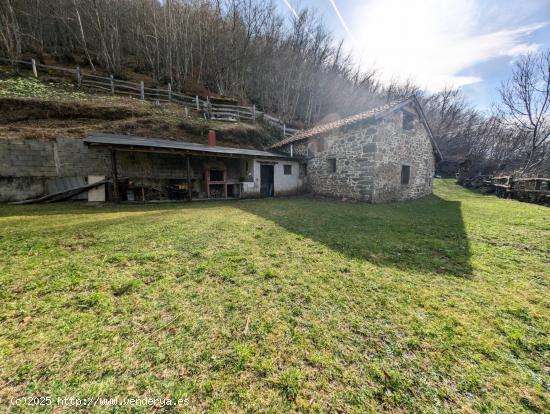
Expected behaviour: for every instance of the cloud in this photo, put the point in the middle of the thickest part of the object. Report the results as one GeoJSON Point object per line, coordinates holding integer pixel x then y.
{"type": "Point", "coordinates": [292, 10]}
{"type": "Point", "coordinates": [434, 41]}
{"type": "Point", "coordinates": [343, 22]}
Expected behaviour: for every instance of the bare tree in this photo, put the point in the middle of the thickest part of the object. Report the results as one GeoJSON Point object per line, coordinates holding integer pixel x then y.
{"type": "Point", "coordinates": [293, 68]}
{"type": "Point", "coordinates": [10, 34]}
{"type": "Point", "coordinates": [525, 106]}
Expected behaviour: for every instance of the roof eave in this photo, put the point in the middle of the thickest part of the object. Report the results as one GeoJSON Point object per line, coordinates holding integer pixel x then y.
{"type": "Point", "coordinates": [422, 115]}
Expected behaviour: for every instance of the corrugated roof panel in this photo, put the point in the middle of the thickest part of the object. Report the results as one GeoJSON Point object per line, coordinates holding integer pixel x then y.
{"type": "Point", "coordinates": [133, 141]}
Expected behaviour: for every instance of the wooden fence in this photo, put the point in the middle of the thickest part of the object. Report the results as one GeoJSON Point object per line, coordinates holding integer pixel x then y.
{"type": "Point", "coordinates": [113, 86]}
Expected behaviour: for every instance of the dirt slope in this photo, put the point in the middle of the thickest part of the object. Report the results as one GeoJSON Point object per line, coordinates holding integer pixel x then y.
{"type": "Point", "coordinates": [31, 109]}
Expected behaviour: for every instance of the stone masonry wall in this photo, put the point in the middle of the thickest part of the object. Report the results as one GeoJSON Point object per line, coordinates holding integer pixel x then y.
{"type": "Point", "coordinates": [369, 157]}
{"type": "Point", "coordinates": [354, 150]}
{"type": "Point", "coordinates": [395, 148]}
{"type": "Point", "coordinates": [299, 149]}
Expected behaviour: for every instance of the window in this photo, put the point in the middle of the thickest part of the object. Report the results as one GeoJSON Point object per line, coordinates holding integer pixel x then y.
{"type": "Point", "coordinates": [408, 121]}
{"type": "Point", "coordinates": [287, 169]}
{"type": "Point", "coordinates": [303, 170]}
{"type": "Point", "coordinates": [405, 174]}
{"type": "Point", "coordinates": [332, 165]}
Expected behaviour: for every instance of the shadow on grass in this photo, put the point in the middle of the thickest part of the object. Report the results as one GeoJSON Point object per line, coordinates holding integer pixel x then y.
{"type": "Point", "coordinates": [425, 235]}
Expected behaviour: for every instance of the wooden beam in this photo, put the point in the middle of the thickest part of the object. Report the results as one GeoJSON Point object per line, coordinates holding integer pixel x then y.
{"type": "Point", "coordinates": [115, 176]}
{"type": "Point", "coordinates": [189, 191]}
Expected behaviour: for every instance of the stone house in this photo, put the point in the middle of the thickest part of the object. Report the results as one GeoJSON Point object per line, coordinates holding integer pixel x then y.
{"type": "Point", "coordinates": [384, 154]}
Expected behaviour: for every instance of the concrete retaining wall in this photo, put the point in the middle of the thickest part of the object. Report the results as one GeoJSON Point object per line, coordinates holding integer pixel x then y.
{"type": "Point", "coordinates": [27, 166]}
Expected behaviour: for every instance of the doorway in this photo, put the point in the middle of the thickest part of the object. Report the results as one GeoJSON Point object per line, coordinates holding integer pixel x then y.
{"type": "Point", "coordinates": [267, 180]}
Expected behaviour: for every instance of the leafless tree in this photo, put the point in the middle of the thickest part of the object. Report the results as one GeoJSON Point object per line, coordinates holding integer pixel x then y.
{"type": "Point", "coordinates": [293, 67]}
{"type": "Point", "coordinates": [525, 106]}
{"type": "Point", "coordinates": [10, 34]}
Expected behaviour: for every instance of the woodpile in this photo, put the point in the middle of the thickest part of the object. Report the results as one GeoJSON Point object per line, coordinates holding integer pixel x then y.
{"type": "Point", "coordinates": [530, 190]}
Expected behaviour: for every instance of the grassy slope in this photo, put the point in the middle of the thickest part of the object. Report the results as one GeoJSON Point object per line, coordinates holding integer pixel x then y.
{"type": "Point", "coordinates": [33, 109]}
{"type": "Point", "coordinates": [437, 305]}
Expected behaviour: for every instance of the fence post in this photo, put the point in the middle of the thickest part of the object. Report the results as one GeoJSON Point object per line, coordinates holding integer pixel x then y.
{"type": "Point", "coordinates": [197, 102]}
{"type": "Point", "coordinates": [112, 85]}
{"type": "Point", "coordinates": [34, 71]}
{"type": "Point", "coordinates": [142, 90]}
{"type": "Point", "coordinates": [78, 76]}
{"type": "Point", "coordinates": [169, 92]}
{"type": "Point", "coordinates": [254, 112]}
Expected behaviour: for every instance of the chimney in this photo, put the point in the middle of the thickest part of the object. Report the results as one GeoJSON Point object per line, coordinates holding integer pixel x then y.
{"type": "Point", "coordinates": [211, 138]}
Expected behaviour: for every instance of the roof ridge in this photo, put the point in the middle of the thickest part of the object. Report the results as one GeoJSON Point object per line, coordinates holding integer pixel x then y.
{"type": "Point", "coordinates": [328, 126]}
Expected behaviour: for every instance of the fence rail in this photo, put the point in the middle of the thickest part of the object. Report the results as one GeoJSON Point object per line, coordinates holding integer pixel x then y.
{"type": "Point", "coordinates": [114, 86]}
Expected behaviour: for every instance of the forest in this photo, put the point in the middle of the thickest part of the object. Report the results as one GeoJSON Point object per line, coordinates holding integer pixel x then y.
{"type": "Point", "coordinates": [294, 68]}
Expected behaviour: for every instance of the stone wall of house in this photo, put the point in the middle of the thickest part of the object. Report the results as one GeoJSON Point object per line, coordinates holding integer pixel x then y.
{"type": "Point", "coordinates": [299, 149]}
{"type": "Point", "coordinates": [369, 157]}
{"type": "Point", "coordinates": [396, 148]}
{"type": "Point", "coordinates": [353, 148]}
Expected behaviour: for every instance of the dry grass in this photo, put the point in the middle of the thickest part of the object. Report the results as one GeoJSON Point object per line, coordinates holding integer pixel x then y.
{"type": "Point", "coordinates": [32, 109]}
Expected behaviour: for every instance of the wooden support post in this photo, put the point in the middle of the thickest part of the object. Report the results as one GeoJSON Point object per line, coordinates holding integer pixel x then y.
{"type": "Point", "coordinates": [197, 102]}
{"type": "Point", "coordinates": [115, 176]}
{"type": "Point", "coordinates": [169, 92]}
{"type": "Point", "coordinates": [112, 85]}
{"type": "Point", "coordinates": [34, 71]}
{"type": "Point", "coordinates": [207, 179]}
{"type": "Point", "coordinates": [284, 130]}
{"type": "Point", "coordinates": [142, 90]}
{"type": "Point", "coordinates": [189, 190]}
{"type": "Point", "coordinates": [186, 110]}
{"type": "Point", "coordinates": [78, 77]}
{"type": "Point", "coordinates": [254, 112]}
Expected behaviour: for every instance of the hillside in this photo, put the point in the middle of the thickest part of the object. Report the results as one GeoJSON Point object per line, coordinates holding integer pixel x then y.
{"type": "Point", "coordinates": [33, 109]}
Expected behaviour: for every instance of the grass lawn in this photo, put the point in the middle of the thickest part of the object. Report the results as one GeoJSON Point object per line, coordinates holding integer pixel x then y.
{"type": "Point", "coordinates": [281, 305]}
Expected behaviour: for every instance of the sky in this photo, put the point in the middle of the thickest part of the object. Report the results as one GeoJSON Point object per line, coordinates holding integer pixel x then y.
{"type": "Point", "coordinates": [469, 44]}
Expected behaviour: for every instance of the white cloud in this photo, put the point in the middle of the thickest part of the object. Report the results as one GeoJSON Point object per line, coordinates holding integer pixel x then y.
{"type": "Point", "coordinates": [432, 41]}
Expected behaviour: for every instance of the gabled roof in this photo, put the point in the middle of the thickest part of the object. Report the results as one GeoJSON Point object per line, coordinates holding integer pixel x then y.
{"type": "Point", "coordinates": [375, 113]}
{"type": "Point", "coordinates": [129, 141]}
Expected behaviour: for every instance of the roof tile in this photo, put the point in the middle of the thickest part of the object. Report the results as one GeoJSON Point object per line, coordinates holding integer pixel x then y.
{"type": "Point", "coordinates": [337, 124]}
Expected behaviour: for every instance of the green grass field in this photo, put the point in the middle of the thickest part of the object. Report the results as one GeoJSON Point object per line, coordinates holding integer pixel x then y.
{"type": "Point", "coordinates": [281, 305]}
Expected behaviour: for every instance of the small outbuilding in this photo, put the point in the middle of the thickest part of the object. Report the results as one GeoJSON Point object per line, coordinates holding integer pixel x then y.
{"type": "Point", "coordinates": [132, 168]}
{"type": "Point", "coordinates": [384, 154]}
{"type": "Point", "coordinates": [173, 170]}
